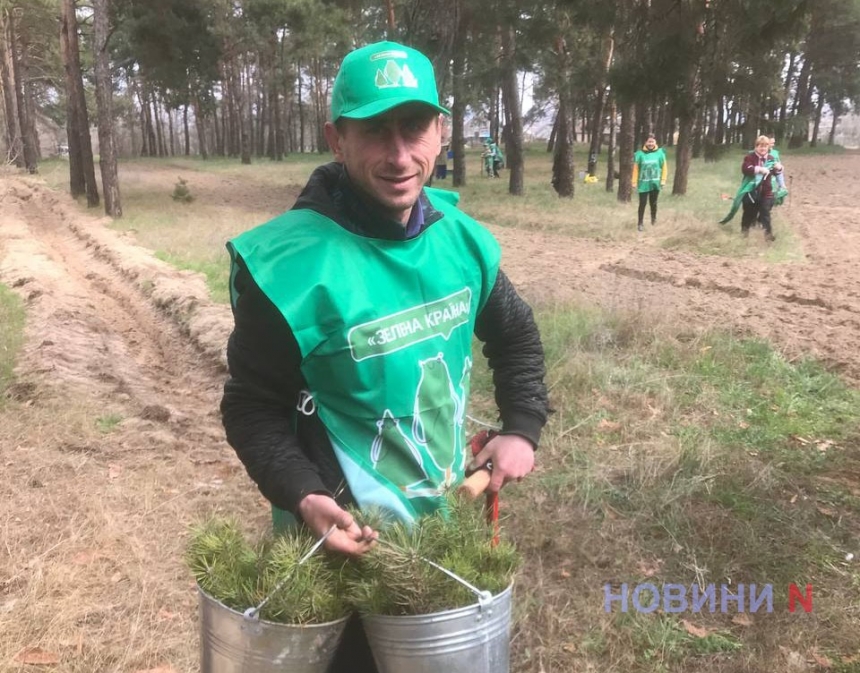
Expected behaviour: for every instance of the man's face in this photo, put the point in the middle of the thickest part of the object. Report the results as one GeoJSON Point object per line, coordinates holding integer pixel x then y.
{"type": "Point", "coordinates": [651, 143]}
{"type": "Point", "coordinates": [391, 156]}
{"type": "Point", "coordinates": [762, 149]}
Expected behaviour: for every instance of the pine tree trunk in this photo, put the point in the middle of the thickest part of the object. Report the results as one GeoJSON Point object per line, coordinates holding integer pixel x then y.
{"type": "Point", "coordinates": [831, 137]}
{"type": "Point", "coordinates": [550, 144]}
{"type": "Point", "coordinates": [201, 130]}
{"type": "Point", "coordinates": [610, 150]}
{"type": "Point", "coordinates": [14, 146]}
{"type": "Point", "coordinates": [20, 75]}
{"type": "Point", "coordinates": [79, 126]}
{"type": "Point", "coordinates": [817, 125]}
{"type": "Point", "coordinates": [170, 134]}
{"type": "Point", "coordinates": [458, 109]}
{"type": "Point", "coordinates": [562, 160]}
{"type": "Point", "coordinates": [800, 116]}
{"type": "Point", "coordinates": [301, 108]}
{"type": "Point", "coordinates": [104, 92]}
{"type": "Point", "coordinates": [683, 155]}
{"type": "Point", "coordinates": [597, 121]}
{"type": "Point", "coordinates": [514, 153]}
{"type": "Point", "coordinates": [159, 125]}
{"type": "Point", "coordinates": [625, 152]}
{"type": "Point", "coordinates": [185, 130]}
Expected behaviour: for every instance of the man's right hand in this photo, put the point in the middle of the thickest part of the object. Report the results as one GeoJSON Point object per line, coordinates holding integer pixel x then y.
{"type": "Point", "coordinates": [320, 512]}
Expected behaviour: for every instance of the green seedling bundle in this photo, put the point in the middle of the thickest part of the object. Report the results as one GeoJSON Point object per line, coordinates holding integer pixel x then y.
{"type": "Point", "coordinates": [394, 578]}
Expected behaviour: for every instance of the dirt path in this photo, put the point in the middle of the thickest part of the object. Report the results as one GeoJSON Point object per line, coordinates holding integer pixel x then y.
{"type": "Point", "coordinates": [137, 343]}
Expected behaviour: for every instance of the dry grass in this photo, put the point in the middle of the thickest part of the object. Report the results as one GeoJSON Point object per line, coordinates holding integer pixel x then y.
{"type": "Point", "coordinates": [91, 546]}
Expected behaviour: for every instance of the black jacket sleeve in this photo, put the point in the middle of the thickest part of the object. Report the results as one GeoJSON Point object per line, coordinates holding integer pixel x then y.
{"type": "Point", "coordinates": [513, 348]}
{"type": "Point", "coordinates": [258, 405]}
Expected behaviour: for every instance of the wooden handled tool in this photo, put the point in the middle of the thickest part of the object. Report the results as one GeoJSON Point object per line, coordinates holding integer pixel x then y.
{"type": "Point", "coordinates": [475, 484]}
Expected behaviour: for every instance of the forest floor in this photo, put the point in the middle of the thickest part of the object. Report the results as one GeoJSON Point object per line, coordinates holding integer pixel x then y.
{"type": "Point", "coordinates": [94, 519]}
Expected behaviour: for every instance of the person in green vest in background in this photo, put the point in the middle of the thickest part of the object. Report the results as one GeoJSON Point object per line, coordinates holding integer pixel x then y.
{"type": "Point", "coordinates": [649, 175]}
{"type": "Point", "coordinates": [781, 190]}
{"type": "Point", "coordinates": [354, 313]}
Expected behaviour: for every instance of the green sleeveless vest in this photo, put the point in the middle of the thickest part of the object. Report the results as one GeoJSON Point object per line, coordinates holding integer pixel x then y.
{"type": "Point", "coordinates": [385, 332]}
{"type": "Point", "coordinates": [650, 169]}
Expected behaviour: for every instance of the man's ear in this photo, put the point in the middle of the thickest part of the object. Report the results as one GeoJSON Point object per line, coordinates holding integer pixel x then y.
{"type": "Point", "coordinates": [332, 136]}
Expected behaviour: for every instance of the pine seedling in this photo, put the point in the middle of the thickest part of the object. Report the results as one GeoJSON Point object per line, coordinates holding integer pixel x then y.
{"type": "Point", "coordinates": [230, 570]}
{"type": "Point", "coordinates": [394, 578]}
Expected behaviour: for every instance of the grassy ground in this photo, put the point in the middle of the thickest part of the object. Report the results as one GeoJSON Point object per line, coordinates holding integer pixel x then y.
{"type": "Point", "coordinates": [671, 458]}
{"type": "Point", "coordinates": [11, 336]}
{"type": "Point", "coordinates": [675, 458]}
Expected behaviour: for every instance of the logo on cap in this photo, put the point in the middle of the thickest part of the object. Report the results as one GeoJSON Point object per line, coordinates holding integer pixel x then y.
{"type": "Point", "coordinates": [393, 76]}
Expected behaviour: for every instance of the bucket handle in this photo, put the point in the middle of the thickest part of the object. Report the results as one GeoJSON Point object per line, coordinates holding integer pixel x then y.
{"type": "Point", "coordinates": [485, 598]}
{"type": "Point", "coordinates": [253, 613]}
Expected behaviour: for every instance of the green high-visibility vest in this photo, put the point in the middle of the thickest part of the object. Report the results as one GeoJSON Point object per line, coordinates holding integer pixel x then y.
{"type": "Point", "coordinates": [650, 169]}
{"type": "Point", "coordinates": [385, 332]}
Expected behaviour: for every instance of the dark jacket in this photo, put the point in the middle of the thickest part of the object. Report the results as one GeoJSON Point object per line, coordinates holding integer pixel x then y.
{"type": "Point", "coordinates": [289, 455]}
{"type": "Point", "coordinates": [748, 166]}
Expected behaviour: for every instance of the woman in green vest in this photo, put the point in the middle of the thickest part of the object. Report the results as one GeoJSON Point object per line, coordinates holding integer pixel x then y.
{"type": "Point", "coordinates": [649, 176]}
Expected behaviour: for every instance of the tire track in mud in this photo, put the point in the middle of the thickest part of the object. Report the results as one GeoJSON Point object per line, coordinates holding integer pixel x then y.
{"type": "Point", "coordinates": [92, 331]}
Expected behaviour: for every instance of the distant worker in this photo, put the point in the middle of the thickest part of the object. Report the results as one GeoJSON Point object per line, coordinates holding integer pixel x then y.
{"type": "Point", "coordinates": [782, 191]}
{"type": "Point", "coordinates": [442, 163]}
{"type": "Point", "coordinates": [649, 175]}
{"type": "Point", "coordinates": [756, 193]}
{"type": "Point", "coordinates": [493, 157]}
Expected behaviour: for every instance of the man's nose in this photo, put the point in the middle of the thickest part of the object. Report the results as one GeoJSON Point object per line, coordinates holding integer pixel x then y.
{"type": "Point", "coordinates": [398, 147]}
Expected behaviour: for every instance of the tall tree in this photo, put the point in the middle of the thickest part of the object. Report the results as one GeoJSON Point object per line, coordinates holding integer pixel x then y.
{"type": "Point", "coordinates": [104, 94]}
{"type": "Point", "coordinates": [14, 141]}
{"type": "Point", "coordinates": [513, 112]}
{"type": "Point", "coordinates": [82, 167]}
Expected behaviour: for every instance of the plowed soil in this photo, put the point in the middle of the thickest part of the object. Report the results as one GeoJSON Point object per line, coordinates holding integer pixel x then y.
{"type": "Point", "coordinates": [93, 523]}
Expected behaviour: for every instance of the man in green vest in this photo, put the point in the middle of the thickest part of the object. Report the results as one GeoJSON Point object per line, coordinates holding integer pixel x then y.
{"type": "Point", "coordinates": [354, 312]}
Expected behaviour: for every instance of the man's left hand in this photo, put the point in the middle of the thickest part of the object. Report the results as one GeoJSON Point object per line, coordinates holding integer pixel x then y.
{"type": "Point", "coordinates": [512, 456]}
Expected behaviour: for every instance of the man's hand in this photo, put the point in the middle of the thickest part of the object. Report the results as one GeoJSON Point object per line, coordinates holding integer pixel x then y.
{"type": "Point", "coordinates": [320, 512]}
{"type": "Point", "coordinates": [512, 456]}
{"type": "Point", "coordinates": [761, 170]}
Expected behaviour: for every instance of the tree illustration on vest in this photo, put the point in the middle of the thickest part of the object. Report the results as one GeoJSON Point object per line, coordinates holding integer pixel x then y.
{"type": "Point", "coordinates": [396, 457]}
{"type": "Point", "coordinates": [430, 461]}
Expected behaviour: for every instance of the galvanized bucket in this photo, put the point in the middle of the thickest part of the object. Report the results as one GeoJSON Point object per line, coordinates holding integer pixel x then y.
{"type": "Point", "coordinates": [230, 642]}
{"type": "Point", "coordinates": [474, 639]}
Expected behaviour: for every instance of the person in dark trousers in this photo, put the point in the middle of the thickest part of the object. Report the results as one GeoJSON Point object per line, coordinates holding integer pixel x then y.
{"type": "Point", "coordinates": [351, 353]}
{"type": "Point", "coordinates": [649, 176]}
{"type": "Point", "coordinates": [758, 168]}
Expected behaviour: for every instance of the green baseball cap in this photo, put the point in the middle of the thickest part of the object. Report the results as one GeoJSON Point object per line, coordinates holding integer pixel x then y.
{"type": "Point", "coordinates": [381, 76]}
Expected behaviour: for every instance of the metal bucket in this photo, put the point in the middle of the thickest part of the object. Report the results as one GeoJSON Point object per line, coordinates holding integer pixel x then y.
{"type": "Point", "coordinates": [474, 639]}
{"type": "Point", "coordinates": [233, 643]}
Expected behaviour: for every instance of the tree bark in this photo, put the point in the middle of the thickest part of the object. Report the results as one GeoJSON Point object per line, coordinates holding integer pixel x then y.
{"type": "Point", "coordinates": [185, 130]}
{"type": "Point", "coordinates": [201, 131]}
{"type": "Point", "coordinates": [625, 152]}
{"type": "Point", "coordinates": [831, 137]}
{"type": "Point", "coordinates": [104, 92]}
{"type": "Point", "coordinates": [458, 108]}
{"type": "Point", "coordinates": [819, 108]}
{"type": "Point", "coordinates": [20, 77]}
{"type": "Point", "coordinates": [562, 160]}
{"type": "Point", "coordinates": [800, 118]}
{"type": "Point", "coordinates": [14, 146]}
{"type": "Point", "coordinates": [514, 154]}
{"type": "Point", "coordinates": [610, 150]}
{"type": "Point", "coordinates": [79, 126]}
{"type": "Point", "coordinates": [597, 121]}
